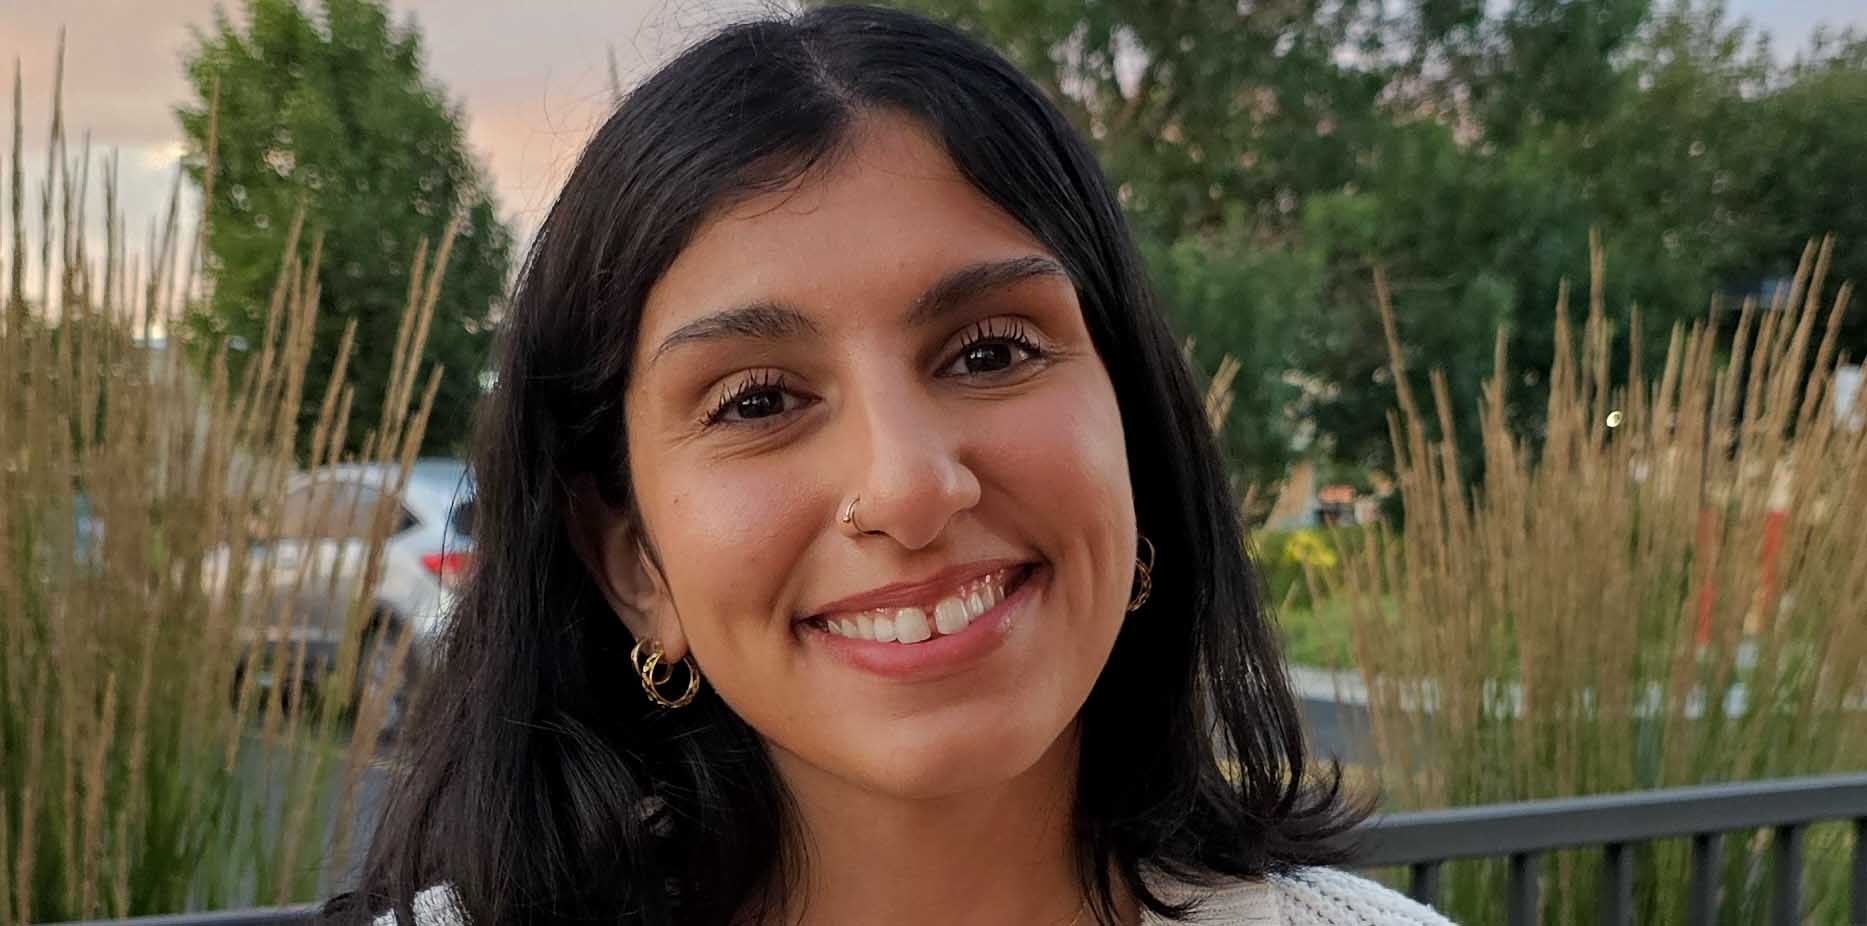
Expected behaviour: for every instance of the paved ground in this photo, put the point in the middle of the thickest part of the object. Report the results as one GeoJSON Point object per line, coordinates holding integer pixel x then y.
{"type": "Point", "coordinates": [1335, 713]}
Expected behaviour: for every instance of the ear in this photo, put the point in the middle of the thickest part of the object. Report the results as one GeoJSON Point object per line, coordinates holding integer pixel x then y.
{"type": "Point", "coordinates": [620, 564]}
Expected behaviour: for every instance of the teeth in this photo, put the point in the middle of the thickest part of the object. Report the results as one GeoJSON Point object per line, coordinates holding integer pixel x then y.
{"type": "Point", "coordinates": [911, 625]}
{"type": "Point", "coordinates": [975, 606]}
{"type": "Point", "coordinates": [950, 615]}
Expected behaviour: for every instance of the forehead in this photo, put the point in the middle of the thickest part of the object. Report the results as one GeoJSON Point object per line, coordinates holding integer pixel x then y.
{"type": "Point", "coordinates": [888, 214]}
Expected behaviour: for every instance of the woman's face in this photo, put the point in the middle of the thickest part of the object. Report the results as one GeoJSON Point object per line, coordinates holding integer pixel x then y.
{"type": "Point", "coordinates": [882, 330]}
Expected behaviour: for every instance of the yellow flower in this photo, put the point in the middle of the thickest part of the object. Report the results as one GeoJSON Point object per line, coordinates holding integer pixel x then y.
{"type": "Point", "coordinates": [1310, 549]}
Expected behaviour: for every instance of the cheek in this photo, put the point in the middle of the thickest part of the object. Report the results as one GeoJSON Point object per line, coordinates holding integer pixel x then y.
{"type": "Point", "coordinates": [1063, 455]}
{"type": "Point", "coordinates": [1060, 459]}
{"type": "Point", "coordinates": [730, 538]}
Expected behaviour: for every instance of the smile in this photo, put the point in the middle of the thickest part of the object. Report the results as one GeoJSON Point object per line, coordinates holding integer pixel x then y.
{"type": "Point", "coordinates": [938, 617]}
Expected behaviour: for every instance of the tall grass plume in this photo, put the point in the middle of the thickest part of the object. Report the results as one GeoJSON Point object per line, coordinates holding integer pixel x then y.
{"type": "Point", "coordinates": [1666, 586]}
{"type": "Point", "coordinates": [154, 756]}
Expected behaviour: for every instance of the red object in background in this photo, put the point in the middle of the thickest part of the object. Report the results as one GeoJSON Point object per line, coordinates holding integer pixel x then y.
{"type": "Point", "coordinates": [450, 568]}
{"type": "Point", "coordinates": [1774, 524]}
{"type": "Point", "coordinates": [1772, 551]}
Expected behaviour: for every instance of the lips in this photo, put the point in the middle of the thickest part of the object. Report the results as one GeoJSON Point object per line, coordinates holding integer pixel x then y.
{"type": "Point", "coordinates": [933, 615]}
{"type": "Point", "coordinates": [939, 656]}
{"type": "Point", "coordinates": [924, 593]}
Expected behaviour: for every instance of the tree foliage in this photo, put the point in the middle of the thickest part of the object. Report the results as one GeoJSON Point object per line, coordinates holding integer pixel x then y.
{"type": "Point", "coordinates": [1202, 108]}
{"type": "Point", "coordinates": [328, 110]}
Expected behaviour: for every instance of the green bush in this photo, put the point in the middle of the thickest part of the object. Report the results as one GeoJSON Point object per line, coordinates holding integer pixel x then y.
{"type": "Point", "coordinates": [1282, 556]}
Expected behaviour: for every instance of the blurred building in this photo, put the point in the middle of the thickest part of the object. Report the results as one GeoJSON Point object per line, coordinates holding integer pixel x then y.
{"type": "Point", "coordinates": [1306, 501]}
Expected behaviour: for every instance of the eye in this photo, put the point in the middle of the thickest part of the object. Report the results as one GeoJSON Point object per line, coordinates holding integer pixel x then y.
{"type": "Point", "coordinates": [993, 346]}
{"type": "Point", "coordinates": [752, 401]}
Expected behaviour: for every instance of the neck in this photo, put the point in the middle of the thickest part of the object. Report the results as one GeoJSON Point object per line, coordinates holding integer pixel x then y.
{"type": "Point", "coordinates": [995, 857]}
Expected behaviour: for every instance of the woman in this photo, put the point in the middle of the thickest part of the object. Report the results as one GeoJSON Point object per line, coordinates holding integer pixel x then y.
{"type": "Point", "coordinates": [855, 548]}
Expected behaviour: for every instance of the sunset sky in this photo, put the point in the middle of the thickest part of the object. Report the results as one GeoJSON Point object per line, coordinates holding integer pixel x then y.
{"type": "Point", "coordinates": [532, 76]}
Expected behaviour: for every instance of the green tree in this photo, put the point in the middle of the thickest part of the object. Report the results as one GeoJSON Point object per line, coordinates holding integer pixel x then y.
{"type": "Point", "coordinates": [1555, 63]}
{"type": "Point", "coordinates": [1717, 164]}
{"type": "Point", "coordinates": [1471, 242]}
{"type": "Point", "coordinates": [1252, 304]}
{"type": "Point", "coordinates": [1202, 108]}
{"type": "Point", "coordinates": [329, 110]}
{"type": "Point", "coordinates": [1803, 173]}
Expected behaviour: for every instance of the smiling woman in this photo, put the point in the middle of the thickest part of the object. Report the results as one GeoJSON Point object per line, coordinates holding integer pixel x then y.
{"type": "Point", "coordinates": [853, 546]}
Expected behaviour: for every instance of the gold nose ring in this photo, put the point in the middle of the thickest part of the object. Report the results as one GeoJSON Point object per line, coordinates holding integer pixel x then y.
{"type": "Point", "coordinates": [849, 514]}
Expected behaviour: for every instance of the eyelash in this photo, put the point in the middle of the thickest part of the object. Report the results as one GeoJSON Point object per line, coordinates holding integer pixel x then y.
{"type": "Point", "coordinates": [980, 333]}
{"type": "Point", "coordinates": [758, 381]}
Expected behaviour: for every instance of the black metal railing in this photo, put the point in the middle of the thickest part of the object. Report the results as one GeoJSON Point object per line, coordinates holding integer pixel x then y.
{"type": "Point", "coordinates": [1523, 833]}
{"type": "Point", "coordinates": [296, 915]}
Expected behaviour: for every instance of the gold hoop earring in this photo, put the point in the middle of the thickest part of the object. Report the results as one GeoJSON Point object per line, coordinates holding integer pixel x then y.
{"type": "Point", "coordinates": [654, 673]}
{"type": "Point", "coordinates": [1144, 577]}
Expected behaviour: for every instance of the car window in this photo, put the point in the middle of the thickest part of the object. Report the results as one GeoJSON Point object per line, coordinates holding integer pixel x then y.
{"type": "Point", "coordinates": [334, 511]}
{"type": "Point", "coordinates": [462, 518]}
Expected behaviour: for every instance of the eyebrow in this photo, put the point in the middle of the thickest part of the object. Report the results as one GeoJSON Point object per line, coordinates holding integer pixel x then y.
{"type": "Point", "coordinates": [966, 283]}
{"type": "Point", "coordinates": [769, 320]}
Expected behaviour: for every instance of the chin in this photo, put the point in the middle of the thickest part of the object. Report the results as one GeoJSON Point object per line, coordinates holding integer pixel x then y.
{"type": "Point", "coordinates": [955, 755]}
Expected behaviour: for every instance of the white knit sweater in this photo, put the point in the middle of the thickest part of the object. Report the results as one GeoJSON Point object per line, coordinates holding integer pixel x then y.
{"type": "Point", "coordinates": [1308, 897]}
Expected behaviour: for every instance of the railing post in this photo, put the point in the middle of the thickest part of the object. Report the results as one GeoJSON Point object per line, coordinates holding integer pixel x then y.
{"type": "Point", "coordinates": [1617, 885]}
{"type": "Point", "coordinates": [1786, 845]}
{"type": "Point", "coordinates": [1702, 905]}
{"type": "Point", "coordinates": [1424, 885]}
{"type": "Point", "coordinates": [1524, 868]}
{"type": "Point", "coordinates": [1857, 907]}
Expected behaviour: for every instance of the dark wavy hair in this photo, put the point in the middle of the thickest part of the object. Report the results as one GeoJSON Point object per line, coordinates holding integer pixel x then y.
{"type": "Point", "coordinates": [532, 761]}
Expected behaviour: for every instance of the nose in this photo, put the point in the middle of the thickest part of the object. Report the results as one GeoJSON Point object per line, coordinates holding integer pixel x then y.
{"type": "Point", "coordinates": [914, 478]}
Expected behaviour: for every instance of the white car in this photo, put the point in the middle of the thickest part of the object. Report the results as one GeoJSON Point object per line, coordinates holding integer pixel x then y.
{"type": "Point", "coordinates": [315, 570]}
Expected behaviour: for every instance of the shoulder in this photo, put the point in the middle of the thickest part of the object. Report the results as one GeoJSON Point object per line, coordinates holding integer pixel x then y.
{"type": "Point", "coordinates": [1327, 897]}
{"type": "Point", "coordinates": [1305, 897]}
